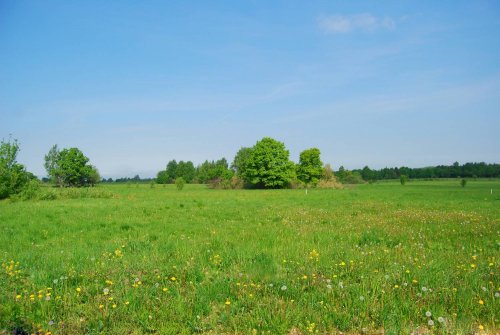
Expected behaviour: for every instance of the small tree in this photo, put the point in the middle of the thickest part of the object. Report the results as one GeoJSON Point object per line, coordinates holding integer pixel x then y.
{"type": "Point", "coordinates": [51, 165]}
{"type": "Point", "coordinates": [310, 167]}
{"type": "Point", "coordinates": [403, 179]}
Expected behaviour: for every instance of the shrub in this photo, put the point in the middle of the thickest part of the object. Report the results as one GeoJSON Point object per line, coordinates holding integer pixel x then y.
{"type": "Point", "coordinates": [328, 179]}
{"type": "Point", "coordinates": [237, 183]}
{"type": "Point", "coordinates": [332, 184]}
{"type": "Point", "coordinates": [353, 178]}
{"type": "Point", "coordinates": [179, 183]}
{"type": "Point", "coordinates": [48, 195]}
{"type": "Point", "coordinates": [403, 179]}
{"type": "Point", "coordinates": [463, 182]}
{"type": "Point", "coordinates": [31, 190]}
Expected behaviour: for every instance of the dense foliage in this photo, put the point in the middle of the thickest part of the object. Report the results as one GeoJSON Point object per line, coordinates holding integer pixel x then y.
{"type": "Point", "coordinates": [269, 165]}
{"type": "Point", "coordinates": [349, 177]}
{"type": "Point", "coordinates": [70, 168]}
{"type": "Point", "coordinates": [468, 170]}
{"type": "Point", "coordinates": [175, 170]}
{"type": "Point", "coordinates": [310, 167]}
{"type": "Point", "coordinates": [240, 161]}
{"type": "Point", "coordinates": [13, 176]}
{"type": "Point", "coordinates": [214, 171]}
{"type": "Point", "coordinates": [265, 165]}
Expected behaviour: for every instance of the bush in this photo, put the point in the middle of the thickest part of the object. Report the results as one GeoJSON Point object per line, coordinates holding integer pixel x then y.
{"type": "Point", "coordinates": [31, 190]}
{"type": "Point", "coordinates": [328, 179]}
{"type": "Point", "coordinates": [297, 184]}
{"type": "Point", "coordinates": [352, 178]}
{"type": "Point", "coordinates": [221, 184]}
{"type": "Point", "coordinates": [463, 182]}
{"type": "Point", "coordinates": [332, 184]}
{"type": "Point", "coordinates": [48, 195]}
{"type": "Point", "coordinates": [237, 183]}
{"type": "Point", "coordinates": [179, 183]}
{"type": "Point", "coordinates": [403, 179]}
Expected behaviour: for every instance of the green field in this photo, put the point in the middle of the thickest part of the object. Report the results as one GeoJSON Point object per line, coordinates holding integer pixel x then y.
{"type": "Point", "coordinates": [127, 259]}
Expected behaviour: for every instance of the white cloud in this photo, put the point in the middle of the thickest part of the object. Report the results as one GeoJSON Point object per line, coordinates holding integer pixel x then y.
{"type": "Point", "coordinates": [339, 24]}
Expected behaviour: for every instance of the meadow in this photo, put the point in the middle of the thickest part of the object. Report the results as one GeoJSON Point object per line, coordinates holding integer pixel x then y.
{"type": "Point", "coordinates": [135, 259]}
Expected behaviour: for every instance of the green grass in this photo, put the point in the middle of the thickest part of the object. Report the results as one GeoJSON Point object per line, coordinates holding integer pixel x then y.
{"type": "Point", "coordinates": [370, 258]}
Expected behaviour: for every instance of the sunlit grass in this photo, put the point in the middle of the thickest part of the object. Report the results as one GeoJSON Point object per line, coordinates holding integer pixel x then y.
{"type": "Point", "coordinates": [383, 257]}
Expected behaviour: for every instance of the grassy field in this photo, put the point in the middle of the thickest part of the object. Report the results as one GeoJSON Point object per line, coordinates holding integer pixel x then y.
{"type": "Point", "coordinates": [126, 259]}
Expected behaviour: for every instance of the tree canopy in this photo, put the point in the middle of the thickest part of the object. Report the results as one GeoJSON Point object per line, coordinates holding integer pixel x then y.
{"type": "Point", "coordinates": [213, 171]}
{"type": "Point", "coordinates": [310, 167]}
{"type": "Point", "coordinates": [240, 161]}
{"type": "Point", "coordinates": [269, 165]}
{"type": "Point", "coordinates": [468, 170]}
{"type": "Point", "coordinates": [69, 167]}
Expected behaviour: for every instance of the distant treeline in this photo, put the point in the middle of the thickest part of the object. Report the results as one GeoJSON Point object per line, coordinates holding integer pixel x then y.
{"type": "Point", "coordinates": [267, 164]}
{"type": "Point", "coordinates": [467, 170]}
{"type": "Point", "coordinates": [217, 169]}
{"type": "Point", "coordinates": [135, 179]}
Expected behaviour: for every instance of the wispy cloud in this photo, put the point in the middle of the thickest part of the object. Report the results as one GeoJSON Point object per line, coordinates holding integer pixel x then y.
{"type": "Point", "coordinates": [341, 24]}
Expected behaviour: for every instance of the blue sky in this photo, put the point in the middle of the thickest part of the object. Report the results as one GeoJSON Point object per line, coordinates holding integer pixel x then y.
{"type": "Point", "coordinates": [134, 84]}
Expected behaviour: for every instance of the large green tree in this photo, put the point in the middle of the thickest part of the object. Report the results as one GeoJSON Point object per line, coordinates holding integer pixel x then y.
{"type": "Point", "coordinates": [69, 167]}
{"type": "Point", "coordinates": [13, 176]}
{"type": "Point", "coordinates": [310, 167]}
{"type": "Point", "coordinates": [269, 165]}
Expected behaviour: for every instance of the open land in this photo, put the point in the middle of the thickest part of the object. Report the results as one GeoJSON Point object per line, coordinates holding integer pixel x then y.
{"type": "Point", "coordinates": [136, 259]}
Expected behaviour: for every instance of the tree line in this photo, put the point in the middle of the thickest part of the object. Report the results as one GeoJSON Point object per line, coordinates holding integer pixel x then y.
{"type": "Point", "coordinates": [267, 164]}
{"type": "Point", "coordinates": [467, 170]}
